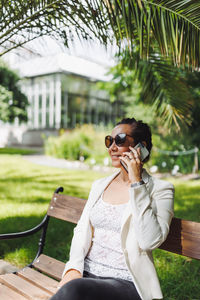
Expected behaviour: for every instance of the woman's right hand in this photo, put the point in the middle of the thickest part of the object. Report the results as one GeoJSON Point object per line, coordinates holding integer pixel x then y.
{"type": "Point", "coordinates": [70, 275]}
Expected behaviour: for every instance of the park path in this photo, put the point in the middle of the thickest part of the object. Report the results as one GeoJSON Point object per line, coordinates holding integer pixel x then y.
{"type": "Point", "coordinates": [64, 164]}
{"type": "Point", "coordinates": [44, 160]}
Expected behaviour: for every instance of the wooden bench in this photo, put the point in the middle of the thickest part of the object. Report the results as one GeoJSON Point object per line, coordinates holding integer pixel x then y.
{"type": "Point", "coordinates": [39, 279]}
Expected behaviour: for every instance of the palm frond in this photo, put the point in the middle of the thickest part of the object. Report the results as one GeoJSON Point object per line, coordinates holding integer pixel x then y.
{"type": "Point", "coordinates": [174, 25]}
{"type": "Point", "coordinates": [163, 86]}
{"type": "Point", "coordinates": [22, 21]}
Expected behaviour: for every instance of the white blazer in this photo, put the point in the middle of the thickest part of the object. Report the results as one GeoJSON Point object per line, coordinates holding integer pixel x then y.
{"type": "Point", "coordinates": [145, 225]}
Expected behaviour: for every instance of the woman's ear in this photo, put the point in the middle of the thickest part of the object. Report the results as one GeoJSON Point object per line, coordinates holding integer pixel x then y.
{"type": "Point", "coordinates": [144, 143]}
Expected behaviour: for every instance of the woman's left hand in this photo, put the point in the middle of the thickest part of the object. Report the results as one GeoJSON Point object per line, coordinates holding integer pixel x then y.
{"type": "Point", "coordinates": [134, 164]}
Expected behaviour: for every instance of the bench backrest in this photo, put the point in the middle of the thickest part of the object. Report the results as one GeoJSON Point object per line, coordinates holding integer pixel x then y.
{"type": "Point", "coordinates": [183, 238]}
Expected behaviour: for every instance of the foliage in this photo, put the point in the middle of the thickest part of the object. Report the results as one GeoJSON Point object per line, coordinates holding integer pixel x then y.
{"type": "Point", "coordinates": [23, 21]}
{"type": "Point", "coordinates": [146, 85]}
{"type": "Point", "coordinates": [173, 142]}
{"type": "Point", "coordinates": [15, 151]}
{"type": "Point", "coordinates": [170, 26]}
{"type": "Point", "coordinates": [13, 102]}
{"type": "Point", "coordinates": [84, 141]}
{"type": "Point", "coordinates": [26, 190]}
{"type": "Point", "coordinates": [155, 82]}
{"type": "Point", "coordinates": [187, 138]}
{"type": "Point", "coordinates": [173, 25]}
{"type": "Point", "coordinates": [193, 80]}
{"type": "Point", "coordinates": [151, 30]}
{"type": "Point", "coordinates": [88, 141]}
{"type": "Point", "coordinates": [5, 97]}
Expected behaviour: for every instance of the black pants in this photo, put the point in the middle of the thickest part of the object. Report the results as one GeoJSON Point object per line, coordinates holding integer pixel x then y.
{"type": "Point", "coordinates": [92, 287]}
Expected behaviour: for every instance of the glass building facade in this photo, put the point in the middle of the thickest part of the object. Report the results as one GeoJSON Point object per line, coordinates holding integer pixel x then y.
{"type": "Point", "coordinates": [63, 100]}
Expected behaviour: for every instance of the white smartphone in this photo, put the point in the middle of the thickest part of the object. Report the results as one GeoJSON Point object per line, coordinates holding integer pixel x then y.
{"type": "Point", "coordinates": [144, 153]}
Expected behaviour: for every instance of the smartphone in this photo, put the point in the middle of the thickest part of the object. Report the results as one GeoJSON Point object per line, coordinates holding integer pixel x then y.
{"type": "Point", "coordinates": [143, 151]}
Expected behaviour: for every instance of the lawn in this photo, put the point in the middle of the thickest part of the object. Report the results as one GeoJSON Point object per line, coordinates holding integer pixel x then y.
{"type": "Point", "coordinates": [25, 191]}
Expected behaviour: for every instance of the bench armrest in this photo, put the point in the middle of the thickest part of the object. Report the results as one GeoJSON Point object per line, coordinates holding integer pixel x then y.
{"type": "Point", "coordinates": [9, 236]}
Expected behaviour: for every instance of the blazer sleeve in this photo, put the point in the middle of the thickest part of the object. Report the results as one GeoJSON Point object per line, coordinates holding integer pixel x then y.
{"type": "Point", "coordinates": [81, 240]}
{"type": "Point", "coordinates": [152, 213]}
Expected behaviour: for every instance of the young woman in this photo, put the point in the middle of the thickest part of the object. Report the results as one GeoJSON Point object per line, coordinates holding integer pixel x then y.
{"type": "Point", "coordinates": [127, 215]}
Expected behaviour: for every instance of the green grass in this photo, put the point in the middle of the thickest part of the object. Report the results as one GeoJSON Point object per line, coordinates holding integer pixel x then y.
{"type": "Point", "coordinates": [19, 151]}
{"type": "Point", "coordinates": [179, 276]}
{"type": "Point", "coordinates": [25, 192]}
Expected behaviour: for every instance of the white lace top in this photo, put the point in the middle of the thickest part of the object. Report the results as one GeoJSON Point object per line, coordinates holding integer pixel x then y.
{"type": "Point", "coordinates": [105, 257]}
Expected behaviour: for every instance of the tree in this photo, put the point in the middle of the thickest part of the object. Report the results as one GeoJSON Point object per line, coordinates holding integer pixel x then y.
{"type": "Point", "coordinates": [23, 21]}
{"type": "Point", "coordinates": [13, 102]}
{"type": "Point", "coordinates": [159, 35]}
{"type": "Point", "coordinates": [155, 82]}
{"type": "Point", "coordinates": [158, 28]}
{"type": "Point", "coordinates": [193, 80]}
{"type": "Point", "coordinates": [174, 25]}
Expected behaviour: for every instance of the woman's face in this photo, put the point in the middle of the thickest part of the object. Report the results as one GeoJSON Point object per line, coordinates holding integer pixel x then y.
{"type": "Point", "coordinates": [115, 151]}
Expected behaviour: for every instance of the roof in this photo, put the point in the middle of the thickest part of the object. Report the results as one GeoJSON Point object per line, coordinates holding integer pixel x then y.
{"type": "Point", "coordinates": [63, 63]}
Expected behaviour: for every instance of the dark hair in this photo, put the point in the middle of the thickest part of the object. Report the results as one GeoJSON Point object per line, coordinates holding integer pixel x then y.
{"type": "Point", "coordinates": [140, 132]}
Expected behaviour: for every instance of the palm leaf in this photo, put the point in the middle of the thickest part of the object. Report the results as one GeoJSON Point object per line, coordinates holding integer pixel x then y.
{"type": "Point", "coordinates": [174, 25]}
{"type": "Point", "coordinates": [22, 21]}
{"type": "Point", "coordinates": [162, 86]}
{"type": "Point", "coordinates": [165, 88]}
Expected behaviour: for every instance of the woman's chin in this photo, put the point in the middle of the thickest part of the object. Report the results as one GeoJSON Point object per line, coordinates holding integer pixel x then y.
{"type": "Point", "coordinates": [116, 164]}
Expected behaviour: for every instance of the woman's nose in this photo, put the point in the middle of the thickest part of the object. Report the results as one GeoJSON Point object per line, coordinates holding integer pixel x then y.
{"type": "Point", "coordinates": [113, 146]}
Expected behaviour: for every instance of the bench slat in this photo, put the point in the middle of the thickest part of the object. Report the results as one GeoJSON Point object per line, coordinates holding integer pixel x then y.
{"type": "Point", "coordinates": [183, 238]}
{"type": "Point", "coordinates": [66, 207]}
{"type": "Point", "coordinates": [8, 294]}
{"type": "Point", "coordinates": [24, 287]}
{"type": "Point", "coordinates": [49, 266]}
{"type": "Point", "coordinates": [44, 282]}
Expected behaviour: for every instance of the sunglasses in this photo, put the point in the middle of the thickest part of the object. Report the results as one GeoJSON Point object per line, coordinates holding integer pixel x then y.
{"type": "Point", "coordinates": [119, 139]}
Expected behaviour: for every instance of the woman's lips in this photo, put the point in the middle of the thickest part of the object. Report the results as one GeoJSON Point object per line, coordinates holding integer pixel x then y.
{"type": "Point", "coordinates": [115, 157]}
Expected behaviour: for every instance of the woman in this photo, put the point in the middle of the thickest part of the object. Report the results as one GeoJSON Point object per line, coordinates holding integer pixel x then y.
{"type": "Point", "coordinates": [126, 216]}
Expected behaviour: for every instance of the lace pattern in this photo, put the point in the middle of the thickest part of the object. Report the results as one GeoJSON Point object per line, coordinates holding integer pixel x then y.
{"type": "Point", "coordinates": [105, 257]}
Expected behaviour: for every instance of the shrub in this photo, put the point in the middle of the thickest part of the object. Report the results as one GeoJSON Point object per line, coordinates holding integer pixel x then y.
{"type": "Point", "coordinates": [86, 141]}
{"type": "Point", "coordinates": [166, 162]}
